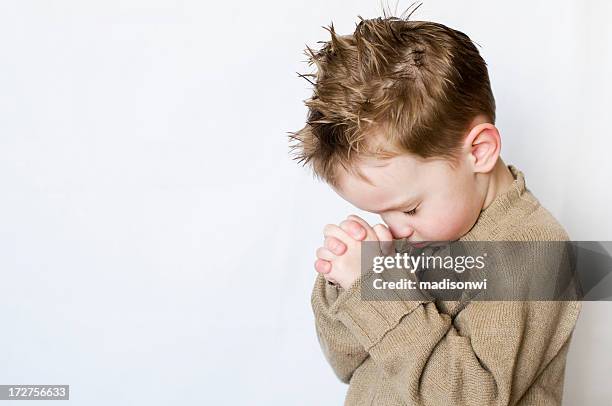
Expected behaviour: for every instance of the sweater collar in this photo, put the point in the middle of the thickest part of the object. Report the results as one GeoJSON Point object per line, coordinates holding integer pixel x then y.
{"type": "Point", "coordinates": [495, 213]}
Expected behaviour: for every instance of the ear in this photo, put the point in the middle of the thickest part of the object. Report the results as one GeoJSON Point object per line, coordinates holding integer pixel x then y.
{"type": "Point", "coordinates": [482, 146]}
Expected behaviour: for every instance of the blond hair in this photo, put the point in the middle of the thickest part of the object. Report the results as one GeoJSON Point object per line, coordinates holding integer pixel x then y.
{"type": "Point", "coordinates": [408, 86]}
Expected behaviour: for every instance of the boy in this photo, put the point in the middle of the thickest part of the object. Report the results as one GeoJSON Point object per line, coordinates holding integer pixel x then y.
{"type": "Point", "coordinates": [401, 123]}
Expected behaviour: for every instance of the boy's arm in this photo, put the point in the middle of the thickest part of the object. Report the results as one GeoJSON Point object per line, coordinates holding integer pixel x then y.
{"type": "Point", "coordinates": [341, 349]}
{"type": "Point", "coordinates": [490, 354]}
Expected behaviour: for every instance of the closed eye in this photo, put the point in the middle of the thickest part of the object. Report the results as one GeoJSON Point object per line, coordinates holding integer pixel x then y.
{"type": "Point", "coordinates": [410, 212]}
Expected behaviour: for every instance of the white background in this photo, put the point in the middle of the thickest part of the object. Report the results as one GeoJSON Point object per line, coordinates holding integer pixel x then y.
{"type": "Point", "coordinates": [156, 240]}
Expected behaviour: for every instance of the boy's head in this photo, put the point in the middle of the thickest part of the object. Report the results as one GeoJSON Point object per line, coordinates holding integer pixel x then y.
{"type": "Point", "coordinates": [402, 118]}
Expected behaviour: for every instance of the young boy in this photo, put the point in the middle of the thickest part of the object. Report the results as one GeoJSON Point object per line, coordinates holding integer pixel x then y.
{"type": "Point", "coordinates": [401, 123]}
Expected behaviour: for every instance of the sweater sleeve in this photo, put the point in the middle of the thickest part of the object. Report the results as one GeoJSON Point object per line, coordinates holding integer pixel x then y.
{"type": "Point", "coordinates": [341, 349]}
{"type": "Point", "coordinates": [490, 354]}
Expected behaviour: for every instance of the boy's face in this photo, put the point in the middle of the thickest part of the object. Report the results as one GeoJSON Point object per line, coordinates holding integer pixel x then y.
{"type": "Point", "coordinates": [420, 200]}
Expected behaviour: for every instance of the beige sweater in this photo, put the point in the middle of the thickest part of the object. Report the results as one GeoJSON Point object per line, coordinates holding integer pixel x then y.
{"type": "Point", "coordinates": [440, 353]}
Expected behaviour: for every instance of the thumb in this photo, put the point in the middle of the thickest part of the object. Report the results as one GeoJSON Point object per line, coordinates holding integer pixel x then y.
{"type": "Point", "coordinates": [386, 239]}
{"type": "Point", "coordinates": [370, 234]}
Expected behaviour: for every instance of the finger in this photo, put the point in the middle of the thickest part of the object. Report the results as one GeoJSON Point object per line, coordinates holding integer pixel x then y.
{"type": "Point", "coordinates": [336, 246]}
{"type": "Point", "coordinates": [324, 253]}
{"type": "Point", "coordinates": [385, 237]}
{"type": "Point", "coordinates": [322, 266]}
{"type": "Point", "coordinates": [332, 230]}
{"type": "Point", "coordinates": [354, 229]}
{"type": "Point", "coordinates": [370, 234]}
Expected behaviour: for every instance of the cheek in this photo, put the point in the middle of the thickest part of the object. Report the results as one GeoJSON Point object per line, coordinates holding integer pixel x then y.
{"type": "Point", "coordinates": [446, 228]}
{"type": "Point", "coordinates": [453, 221]}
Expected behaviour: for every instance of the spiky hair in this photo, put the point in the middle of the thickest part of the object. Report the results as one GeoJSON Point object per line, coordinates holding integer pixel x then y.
{"type": "Point", "coordinates": [393, 86]}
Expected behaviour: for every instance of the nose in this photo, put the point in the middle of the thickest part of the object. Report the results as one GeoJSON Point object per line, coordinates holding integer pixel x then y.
{"type": "Point", "coordinates": [397, 224]}
{"type": "Point", "coordinates": [401, 232]}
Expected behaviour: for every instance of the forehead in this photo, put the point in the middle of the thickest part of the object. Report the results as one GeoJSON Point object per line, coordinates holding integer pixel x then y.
{"type": "Point", "coordinates": [387, 182]}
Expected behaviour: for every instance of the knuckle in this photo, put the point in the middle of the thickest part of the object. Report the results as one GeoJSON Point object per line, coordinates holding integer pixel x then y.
{"type": "Point", "coordinates": [348, 224]}
{"type": "Point", "coordinates": [327, 230]}
{"type": "Point", "coordinates": [356, 219]}
{"type": "Point", "coordinates": [320, 265]}
{"type": "Point", "coordinates": [331, 242]}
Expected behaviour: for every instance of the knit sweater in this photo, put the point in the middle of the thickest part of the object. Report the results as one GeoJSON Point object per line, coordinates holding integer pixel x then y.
{"type": "Point", "coordinates": [447, 353]}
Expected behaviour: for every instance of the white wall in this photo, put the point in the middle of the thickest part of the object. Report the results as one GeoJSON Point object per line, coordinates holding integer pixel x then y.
{"type": "Point", "coordinates": [157, 242]}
